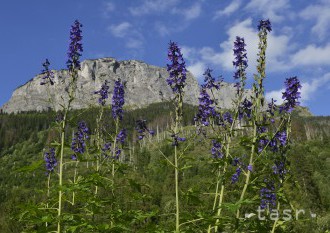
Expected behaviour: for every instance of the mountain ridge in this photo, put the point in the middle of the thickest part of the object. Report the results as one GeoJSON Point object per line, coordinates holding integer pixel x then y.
{"type": "Point", "coordinates": [144, 83]}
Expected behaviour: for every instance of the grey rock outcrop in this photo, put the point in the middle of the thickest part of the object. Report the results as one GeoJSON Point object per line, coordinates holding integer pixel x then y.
{"type": "Point", "coordinates": [143, 86]}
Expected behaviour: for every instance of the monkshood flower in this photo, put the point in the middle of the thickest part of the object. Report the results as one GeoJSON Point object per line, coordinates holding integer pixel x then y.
{"type": "Point", "coordinates": [236, 175]}
{"type": "Point", "coordinates": [75, 47]}
{"type": "Point", "coordinates": [268, 195]}
{"type": "Point", "coordinates": [176, 69]}
{"type": "Point", "coordinates": [103, 92]}
{"type": "Point", "coordinates": [272, 108]}
{"type": "Point", "coordinates": [245, 109]}
{"type": "Point", "coordinates": [121, 137]}
{"type": "Point", "coordinates": [279, 168]}
{"type": "Point", "coordinates": [228, 117]}
{"type": "Point", "coordinates": [291, 94]}
{"type": "Point", "coordinates": [105, 149]}
{"type": "Point", "coordinates": [176, 139]}
{"type": "Point", "coordinates": [49, 75]}
{"type": "Point", "coordinates": [118, 100]}
{"type": "Point", "coordinates": [240, 63]}
{"type": "Point", "coordinates": [78, 144]}
{"type": "Point", "coordinates": [265, 25]}
{"type": "Point", "coordinates": [216, 149]}
{"type": "Point", "coordinates": [141, 127]}
{"type": "Point", "coordinates": [205, 108]}
{"type": "Point", "coordinates": [209, 81]}
{"type": "Point", "coordinates": [50, 160]}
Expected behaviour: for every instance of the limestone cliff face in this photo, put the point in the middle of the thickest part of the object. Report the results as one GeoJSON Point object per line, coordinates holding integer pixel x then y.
{"type": "Point", "coordinates": [143, 85]}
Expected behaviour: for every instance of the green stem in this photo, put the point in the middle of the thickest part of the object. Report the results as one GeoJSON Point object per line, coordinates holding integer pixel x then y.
{"type": "Point", "coordinates": [114, 147]}
{"type": "Point", "coordinates": [275, 222]}
{"type": "Point", "coordinates": [248, 175]}
{"type": "Point", "coordinates": [60, 183]}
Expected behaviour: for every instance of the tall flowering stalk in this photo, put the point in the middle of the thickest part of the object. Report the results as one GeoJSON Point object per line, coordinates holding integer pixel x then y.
{"type": "Point", "coordinates": [73, 64]}
{"type": "Point", "coordinates": [118, 102]}
{"type": "Point", "coordinates": [228, 123]}
{"type": "Point", "coordinates": [258, 100]}
{"type": "Point", "coordinates": [103, 96]}
{"type": "Point", "coordinates": [177, 81]}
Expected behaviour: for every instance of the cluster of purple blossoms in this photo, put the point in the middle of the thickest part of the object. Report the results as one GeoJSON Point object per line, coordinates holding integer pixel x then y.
{"type": "Point", "coordinates": [78, 144]}
{"type": "Point", "coordinates": [141, 127]}
{"type": "Point", "coordinates": [216, 149]}
{"type": "Point", "coordinates": [263, 141]}
{"type": "Point", "coordinates": [106, 148]}
{"type": "Point", "coordinates": [240, 165]}
{"type": "Point", "coordinates": [272, 108]}
{"type": "Point", "coordinates": [177, 69]}
{"type": "Point", "coordinates": [209, 81]}
{"type": "Point", "coordinates": [291, 94]}
{"type": "Point", "coordinates": [50, 160]}
{"type": "Point", "coordinates": [49, 75]}
{"type": "Point", "coordinates": [121, 137]}
{"type": "Point", "coordinates": [245, 109]}
{"type": "Point", "coordinates": [236, 175]}
{"type": "Point", "coordinates": [205, 108]}
{"type": "Point", "coordinates": [118, 100]}
{"type": "Point", "coordinates": [75, 47]}
{"type": "Point", "coordinates": [227, 117]}
{"type": "Point", "coordinates": [279, 168]}
{"type": "Point", "coordinates": [265, 25]}
{"type": "Point", "coordinates": [240, 62]}
{"type": "Point", "coordinates": [177, 139]}
{"type": "Point", "coordinates": [103, 92]}
{"type": "Point", "coordinates": [268, 195]}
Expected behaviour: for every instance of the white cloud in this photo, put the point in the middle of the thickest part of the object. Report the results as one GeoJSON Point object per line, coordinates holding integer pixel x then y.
{"type": "Point", "coordinates": [312, 55]}
{"type": "Point", "coordinates": [131, 36]}
{"type": "Point", "coordinates": [309, 89]}
{"type": "Point", "coordinates": [320, 13]}
{"type": "Point", "coordinates": [276, 95]}
{"type": "Point", "coordinates": [278, 47]}
{"type": "Point", "coordinates": [152, 7]}
{"type": "Point", "coordinates": [197, 69]}
{"type": "Point", "coordinates": [231, 8]}
{"type": "Point", "coordinates": [107, 9]}
{"type": "Point", "coordinates": [274, 10]}
{"type": "Point", "coordinates": [162, 29]}
{"type": "Point", "coordinates": [121, 29]}
{"type": "Point", "coordinates": [193, 12]}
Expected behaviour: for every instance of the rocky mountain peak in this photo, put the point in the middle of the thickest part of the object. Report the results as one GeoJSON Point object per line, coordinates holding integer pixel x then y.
{"type": "Point", "coordinates": [143, 86]}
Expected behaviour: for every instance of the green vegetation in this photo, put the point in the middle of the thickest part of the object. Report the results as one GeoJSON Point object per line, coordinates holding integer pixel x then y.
{"type": "Point", "coordinates": [144, 190]}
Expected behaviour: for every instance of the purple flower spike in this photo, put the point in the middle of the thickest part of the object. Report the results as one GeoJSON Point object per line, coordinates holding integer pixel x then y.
{"type": "Point", "coordinates": [177, 69]}
{"type": "Point", "coordinates": [205, 108]}
{"type": "Point", "coordinates": [216, 150]}
{"type": "Point", "coordinates": [209, 81]}
{"type": "Point", "coordinates": [268, 195]}
{"type": "Point", "coordinates": [75, 47]}
{"type": "Point", "coordinates": [50, 160]}
{"type": "Point", "coordinates": [245, 109]}
{"type": "Point", "coordinates": [103, 92]}
{"type": "Point", "coordinates": [121, 137]}
{"type": "Point", "coordinates": [78, 144]}
{"type": "Point", "coordinates": [118, 100]}
{"type": "Point", "coordinates": [240, 62]}
{"type": "Point", "coordinates": [49, 75]}
{"type": "Point", "coordinates": [236, 175]}
{"type": "Point", "coordinates": [291, 94]}
{"type": "Point", "coordinates": [265, 25]}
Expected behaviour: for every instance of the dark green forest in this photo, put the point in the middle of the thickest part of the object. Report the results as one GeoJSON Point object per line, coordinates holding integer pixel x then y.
{"type": "Point", "coordinates": [145, 186]}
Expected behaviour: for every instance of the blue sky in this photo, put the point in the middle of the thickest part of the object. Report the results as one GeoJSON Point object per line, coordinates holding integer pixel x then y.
{"type": "Point", "coordinates": [299, 44]}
